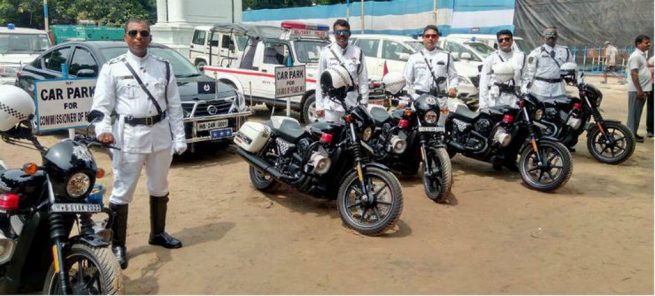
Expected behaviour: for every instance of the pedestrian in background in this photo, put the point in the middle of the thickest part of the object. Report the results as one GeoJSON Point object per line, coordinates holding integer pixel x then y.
{"type": "Point", "coordinates": [649, 104]}
{"type": "Point", "coordinates": [640, 84]}
{"type": "Point", "coordinates": [610, 59]}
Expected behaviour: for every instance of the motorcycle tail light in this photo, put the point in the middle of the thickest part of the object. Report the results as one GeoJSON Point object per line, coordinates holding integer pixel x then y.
{"type": "Point", "coordinates": [348, 118]}
{"type": "Point", "coordinates": [403, 123]}
{"type": "Point", "coordinates": [326, 138]}
{"type": "Point", "coordinates": [408, 112]}
{"type": "Point", "coordinates": [577, 106]}
{"type": "Point", "coordinates": [508, 118]}
{"type": "Point", "coordinates": [9, 201]}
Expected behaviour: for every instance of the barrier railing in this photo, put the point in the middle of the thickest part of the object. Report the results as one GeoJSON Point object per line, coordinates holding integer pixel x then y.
{"type": "Point", "coordinates": [593, 60]}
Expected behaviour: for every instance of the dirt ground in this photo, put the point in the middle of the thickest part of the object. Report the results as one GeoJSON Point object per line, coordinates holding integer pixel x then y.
{"type": "Point", "coordinates": [593, 236]}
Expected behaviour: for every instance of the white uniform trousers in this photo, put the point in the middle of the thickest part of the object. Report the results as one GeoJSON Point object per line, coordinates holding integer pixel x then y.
{"type": "Point", "coordinates": [333, 116]}
{"type": "Point", "coordinates": [127, 168]}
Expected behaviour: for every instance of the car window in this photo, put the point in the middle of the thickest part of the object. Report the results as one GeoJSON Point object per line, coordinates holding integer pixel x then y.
{"type": "Point", "coordinates": [483, 49]}
{"type": "Point", "coordinates": [23, 43]}
{"type": "Point", "coordinates": [226, 41]}
{"type": "Point", "coordinates": [55, 58]}
{"type": "Point", "coordinates": [369, 47]}
{"type": "Point", "coordinates": [241, 42]}
{"type": "Point", "coordinates": [199, 37]}
{"type": "Point", "coordinates": [308, 51]}
{"type": "Point", "coordinates": [182, 67]}
{"type": "Point", "coordinates": [416, 45]}
{"type": "Point", "coordinates": [457, 50]}
{"type": "Point", "coordinates": [274, 53]}
{"type": "Point", "coordinates": [82, 59]}
{"type": "Point", "coordinates": [392, 50]}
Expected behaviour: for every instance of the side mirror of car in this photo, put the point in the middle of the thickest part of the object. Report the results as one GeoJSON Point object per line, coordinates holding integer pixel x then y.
{"type": "Point", "coordinates": [403, 56]}
{"type": "Point", "coordinates": [465, 56]}
{"type": "Point", "coordinates": [288, 61]}
{"type": "Point", "coordinates": [86, 73]}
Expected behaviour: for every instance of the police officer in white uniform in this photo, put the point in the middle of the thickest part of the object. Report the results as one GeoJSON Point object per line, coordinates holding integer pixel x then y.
{"type": "Point", "coordinates": [490, 93]}
{"type": "Point", "coordinates": [148, 129]}
{"type": "Point", "coordinates": [351, 57]}
{"type": "Point", "coordinates": [542, 75]}
{"type": "Point", "coordinates": [418, 69]}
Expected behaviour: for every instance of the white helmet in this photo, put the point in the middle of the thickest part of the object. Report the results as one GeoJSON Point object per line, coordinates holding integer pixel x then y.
{"type": "Point", "coordinates": [335, 81]}
{"type": "Point", "coordinates": [393, 82]}
{"type": "Point", "coordinates": [650, 61]}
{"type": "Point", "coordinates": [569, 71]}
{"type": "Point", "coordinates": [16, 105]}
{"type": "Point", "coordinates": [503, 71]}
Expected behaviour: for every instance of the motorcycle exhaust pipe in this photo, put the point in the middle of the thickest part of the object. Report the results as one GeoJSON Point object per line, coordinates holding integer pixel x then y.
{"type": "Point", "coordinates": [7, 247]}
{"type": "Point", "coordinates": [263, 165]}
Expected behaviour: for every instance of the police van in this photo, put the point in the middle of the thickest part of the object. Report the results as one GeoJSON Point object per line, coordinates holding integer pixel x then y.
{"type": "Point", "coordinates": [19, 46]}
{"type": "Point", "coordinates": [245, 56]}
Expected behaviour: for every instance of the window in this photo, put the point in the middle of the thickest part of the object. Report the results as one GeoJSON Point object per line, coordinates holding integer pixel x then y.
{"type": "Point", "coordinates": [369, 47]}
{"type": "Point", "coordinates": [82, 59]}
{"type": "Point", "coordinates": [457, 50]}
{"type": "Point", "coordinates": [392, 50]}
{"type": "Point", "coordinates": [199, 37]}
{"type": "Point", "coordinates": [55, 58]}
{"type": "Point", "coordinates": [226, 42]}
{"type": "Point", "coordinates": [275, 53]}
{"type": "Point", "coordinates": [309, 51]}
{"type": "Point", "coordinates": [23, 43]}
{"type": "Point", "coordinates": [241, 42]}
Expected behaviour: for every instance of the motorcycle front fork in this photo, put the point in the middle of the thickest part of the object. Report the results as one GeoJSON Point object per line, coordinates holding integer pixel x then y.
{"type": "Point", "coordinates": [357, 153]}
{"type": "Point", "coordinates": [58, 235]}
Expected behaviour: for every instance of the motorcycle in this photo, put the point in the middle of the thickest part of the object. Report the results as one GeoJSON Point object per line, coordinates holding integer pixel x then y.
{"type": "Point", "coordinates": [409, 136]}
{"type": "Point", "coordinates": [39, 207]}
{"type": "Point", "coordinates": [321, 158]}
{"type": "Point", "coordinates": [566, 118]}
{"type": "Point", "coordinates": [498, 134]}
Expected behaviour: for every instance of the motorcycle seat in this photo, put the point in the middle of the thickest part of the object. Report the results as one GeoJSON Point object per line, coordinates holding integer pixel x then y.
{"type": "Point", "coordinates": [495, 110]}
{"type": "Point", "coordinates": [464, 113]}
{"type": "Point", "coordinates": [379, 115]}
{"type": "Point", "coordinates": [549, 99]}
{"type": "Point", "coordinates": [287, 128]}
{"type": "Point", "coordinates": [398, 114]}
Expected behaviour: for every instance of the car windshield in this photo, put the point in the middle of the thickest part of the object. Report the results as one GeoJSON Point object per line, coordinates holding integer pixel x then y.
{"type": "Point", "coordinates": [181, 66]}
{"type": "Point", "coordinates": [415, 45]}
{"type": "Point", "coordinates": [481, 48]}
{"type": "Point", "coordinates": [308, 51]}
{"type": "Point", "coordinates": [23, 43]}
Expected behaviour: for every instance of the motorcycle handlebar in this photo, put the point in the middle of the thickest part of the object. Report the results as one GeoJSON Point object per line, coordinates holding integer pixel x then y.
{"type": "Point", "coordinates": [92, 141]}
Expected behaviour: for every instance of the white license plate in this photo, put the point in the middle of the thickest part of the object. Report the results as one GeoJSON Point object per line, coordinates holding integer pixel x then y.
{"type": "Point", "coordinates": [221, 133]}
{"type": "Point", "coordinates": [430, 129]}
{"type": "Point", "coordinates": [75, 208]}
{"type": "Point", "coordinates": [209, 125]}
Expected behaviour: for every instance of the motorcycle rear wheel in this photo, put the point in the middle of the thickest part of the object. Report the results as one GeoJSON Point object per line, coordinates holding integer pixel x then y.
{"type": "Point", "coordinates": [557, 172]}
{"type": "Point", "coordinates": [437, 187]}
{"type": "Point", "coordinates": [91, 270]}
{"type": "Point", "coordinates": [262, 181]}
{"type": "Point", "coordinates": [377, 217]}
{"type": "Point", "coordinates": [620, 151]}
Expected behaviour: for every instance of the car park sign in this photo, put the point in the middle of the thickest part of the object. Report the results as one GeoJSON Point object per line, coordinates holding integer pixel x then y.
{"type": "Point", "coordinates": [63, 104]}
{"type": "Point", "coordinates": [290, 81]}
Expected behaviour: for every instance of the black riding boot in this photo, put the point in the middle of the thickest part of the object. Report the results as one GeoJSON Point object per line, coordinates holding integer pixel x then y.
{"type": "Point", "coordinates": [158, 222]}
{"type": "Point", "coordinates": [119, 229]}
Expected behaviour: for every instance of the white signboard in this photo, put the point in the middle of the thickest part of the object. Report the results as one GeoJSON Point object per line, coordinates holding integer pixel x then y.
{"type": "Point", "coordinates": [63, 104]}
{"type": "Point", "coordinates": [290, 81]}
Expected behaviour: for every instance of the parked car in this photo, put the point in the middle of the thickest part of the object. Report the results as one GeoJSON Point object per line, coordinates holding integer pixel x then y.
{"type": "Point", "coordinates": [19, 46]}
{"type": "Point", "coordinates": [210, 113]}
{"type": "Point", "coordinates": [394, 50]}
{"type": "Point", "coordinates": [490, 40]}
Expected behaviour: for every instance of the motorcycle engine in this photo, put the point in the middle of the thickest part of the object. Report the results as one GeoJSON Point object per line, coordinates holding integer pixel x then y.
{"type": "Point", "coordinates": [483, 126]}
{"type": "Point", "coordinates": [284, 147]}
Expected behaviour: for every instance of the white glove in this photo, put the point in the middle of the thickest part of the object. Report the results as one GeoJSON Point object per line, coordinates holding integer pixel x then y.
{"type": "Point", "coordinates": [179, 147]}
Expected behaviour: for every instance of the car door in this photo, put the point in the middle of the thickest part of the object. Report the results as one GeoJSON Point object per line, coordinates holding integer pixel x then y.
{"type": "Point", "coordinates": [47, 66]}
{"type": "Point", "coordinates": [83, 63]}
{"type": "Point", "coordinates": [370, 49]}
{"type": "Point", "coordinates": [395, 54]}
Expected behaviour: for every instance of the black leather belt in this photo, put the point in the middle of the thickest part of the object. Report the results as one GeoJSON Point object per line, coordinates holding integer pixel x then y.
{"type": "Point", "coordinates": [149, 121]}
{"type": "Point", "coordinates": [554, 80]}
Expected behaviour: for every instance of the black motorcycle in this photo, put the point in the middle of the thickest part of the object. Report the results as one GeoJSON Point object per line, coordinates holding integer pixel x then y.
{"type": "Point", "coordinates": [409, 136]}
{"type": "Point", "coordinates": [566, 118]}
{"type": "Point", "coordinates": [499, 134]}
{"type": "Point", "coordinates": [50, 242]}
{"type": "Point", "coordinates": [325, 160]}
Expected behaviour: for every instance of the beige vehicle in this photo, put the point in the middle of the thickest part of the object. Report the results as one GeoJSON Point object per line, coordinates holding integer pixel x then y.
{"type": "Point", "coordinates": [19, 46]}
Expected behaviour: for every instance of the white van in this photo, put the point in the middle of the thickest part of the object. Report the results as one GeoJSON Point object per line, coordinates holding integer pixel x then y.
{"type": "Point", "coordinates": [489, 40]}
{"type": "Point", "coordinates": [395, 50]}
{"type": "Point", "coordinates": [19, 46]}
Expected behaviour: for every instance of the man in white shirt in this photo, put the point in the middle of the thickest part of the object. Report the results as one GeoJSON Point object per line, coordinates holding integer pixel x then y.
{"type": "Point", "coordinates": [141, 89]}
{"type": "Point", "coordinates": [640, 83]}
{"type": "Point", "coordinates": [542, 75]}
{"type": "Point", "coordinates": [490, 94]}
{"type": "Point", "coordinates": [610, 59]}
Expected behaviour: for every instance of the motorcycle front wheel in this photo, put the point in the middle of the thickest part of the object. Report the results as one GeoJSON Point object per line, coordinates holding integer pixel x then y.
{"type": "Point", "coordinates": [91, 271]}
{"type": "Point", "coordinates": [375, 213]}
{"type": "Point", "coordinates": [613, 147]}
{"type": "Point", "coordinates": [552, 173]}
{"type": "Point", "coordinates": [439, 181]}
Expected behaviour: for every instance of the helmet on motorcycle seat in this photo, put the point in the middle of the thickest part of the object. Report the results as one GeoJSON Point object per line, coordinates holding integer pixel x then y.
{"type": "Point", "coordinates": [393, 82]}
{"type": "Point", "coordinates": [16, 105]}
{"type": "Point", "coordinates": [335, 81]}
{"type": "Point", "coordinates": [569, 71]}
{"type": "Point", "coordinates": [503, 71]}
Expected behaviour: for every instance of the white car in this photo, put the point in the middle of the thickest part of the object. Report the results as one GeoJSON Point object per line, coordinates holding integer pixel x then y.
{"type": "Point", "coordinates": [394, 50]}
{"type": "Point", "coordinates": [19, 46]}
{"type": "Point", "coordinates": [489, 40]}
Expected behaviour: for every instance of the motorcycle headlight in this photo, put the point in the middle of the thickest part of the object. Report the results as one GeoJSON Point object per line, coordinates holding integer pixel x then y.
{"type": "Point", "coordinates": [366, 134]}
{"type": "Point", "coordinates": [430, 117]}
{"type": "Point", "coordinates": [538, 115]}
{"type": "Point", "coordinates": [78, 184]}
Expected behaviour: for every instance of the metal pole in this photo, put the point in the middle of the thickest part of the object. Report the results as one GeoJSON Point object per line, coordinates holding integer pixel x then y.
{"type": "Point", "coordinates": [434, 8]}
{"type": "Point", "coordinates": [362, 15]}
{"type": "Point", "coordinates": [348, 11]}
{"type": "Point", "coordinates": [45, 16]}
{"type": "Point", "coordinates": [233, 11]}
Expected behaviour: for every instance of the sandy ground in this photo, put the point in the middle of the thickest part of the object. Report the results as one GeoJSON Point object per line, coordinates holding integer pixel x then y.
{"type": "Point", "coordinates": [593, 236]}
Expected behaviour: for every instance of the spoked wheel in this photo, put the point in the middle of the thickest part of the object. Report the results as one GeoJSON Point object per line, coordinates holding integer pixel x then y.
{"type": "Point", "coordinates": [554, 169]}
{"type": "Point", "coordinates": [91, 271]}
{"type": "Point", "coordinates": [439, 180]}
{"type": "Point", "coordinates": [262, 181]}
{"type": "Point", "coordinates": [375, 212]}
{"type": "Point", "coordinates": [613, 147]}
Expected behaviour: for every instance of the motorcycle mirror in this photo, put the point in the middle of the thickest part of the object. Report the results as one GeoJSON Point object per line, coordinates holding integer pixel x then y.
{"type": "Point", "coordinates": [94, 116]}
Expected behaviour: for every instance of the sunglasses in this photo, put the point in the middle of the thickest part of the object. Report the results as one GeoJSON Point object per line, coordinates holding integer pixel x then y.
{"type": "Point", "coordinates": [342, 32]}
{"type": "Point", "coordinates": [143, 33]}
{"type": "Point", "coordinates": [430, 36]}
{"type": "Point", "coordinates": [506, 39]}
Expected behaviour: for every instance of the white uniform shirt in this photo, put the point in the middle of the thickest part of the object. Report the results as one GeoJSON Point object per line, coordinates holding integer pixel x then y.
{"type": "Point", "coordinates": [610, 54]}
{"type": "Point", "coordinates": [637, 61]}
{"type": "Point", "coordinates": [350, 56]}
{"type": "Point", "coordinates": [417, 73]}
{"type": "Point", "coordinates": [490, 94]}
{"type": "Point", "coordinates": [543, 63]}
{"type": "Point", "coordinates": [117, 91]}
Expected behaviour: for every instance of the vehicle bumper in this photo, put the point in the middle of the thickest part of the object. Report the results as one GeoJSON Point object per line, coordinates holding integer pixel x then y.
{"type": "Point", "coordinates": [7, 80]}
{"type": "Point", "coordinates": [195, 135]}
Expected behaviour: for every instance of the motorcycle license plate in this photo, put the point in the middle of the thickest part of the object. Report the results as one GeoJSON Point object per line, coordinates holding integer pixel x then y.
{"type": "Point", "coordinates": [209, 125]}
{"type": "Point", "coordinates": [75, 208]}
{"type": "Point", "coordinates": [221, 133]}
{"type": "Point", "coordinates": [430, 129]}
